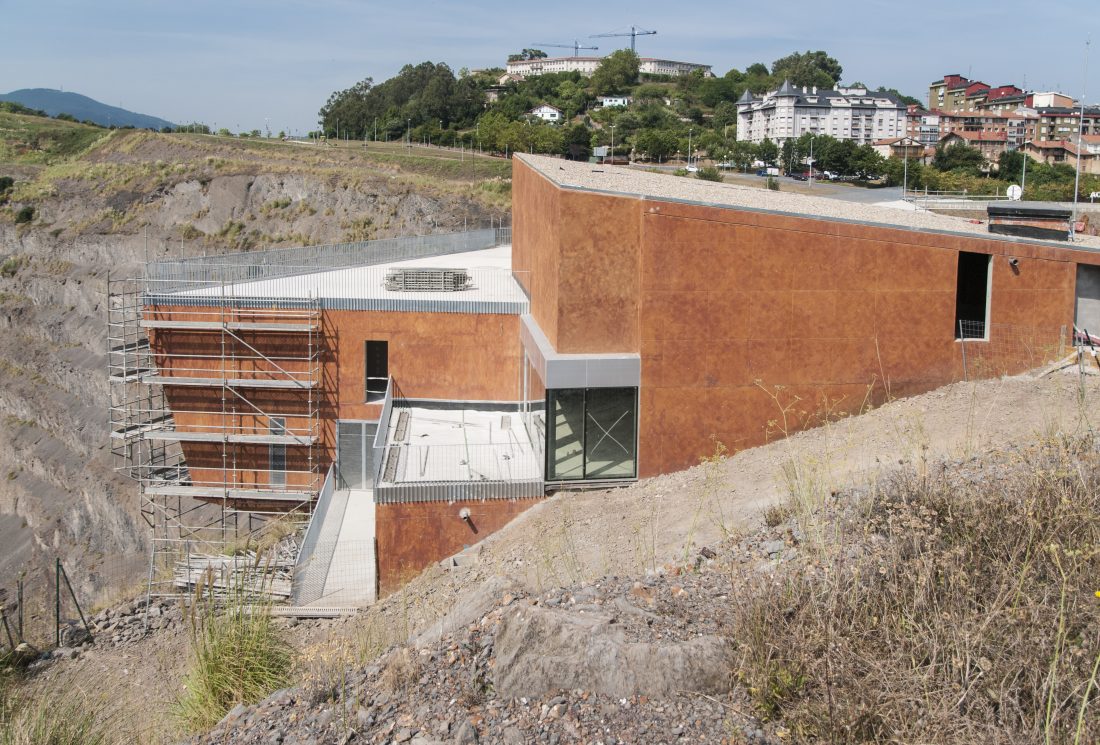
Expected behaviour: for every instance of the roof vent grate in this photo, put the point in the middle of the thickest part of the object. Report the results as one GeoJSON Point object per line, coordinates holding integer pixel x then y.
{"type": "Point", "coordinates": [427, 280]}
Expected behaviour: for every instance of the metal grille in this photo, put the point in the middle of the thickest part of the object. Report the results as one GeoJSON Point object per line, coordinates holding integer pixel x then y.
{"type": "Point", "coordinates": [427, 280]}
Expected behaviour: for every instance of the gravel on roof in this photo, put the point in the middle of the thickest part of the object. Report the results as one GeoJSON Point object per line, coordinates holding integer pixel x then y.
{"type": "Point", "coordinates": [629, 181]}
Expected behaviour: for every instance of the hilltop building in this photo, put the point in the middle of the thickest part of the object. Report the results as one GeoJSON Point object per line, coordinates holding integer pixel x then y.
{"type": "Point", "coordinates": [846, 114]}
{"type": "Point", "coordinates": [419, 393]}
{"type": "Point", "coordinates": [587, 66]}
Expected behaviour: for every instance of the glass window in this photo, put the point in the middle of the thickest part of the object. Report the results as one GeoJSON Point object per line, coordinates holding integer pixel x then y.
{"type": "Point", "coordinates": [277, 453]}
{"type": "Point", "coordinates": [592, 434]}
{"type": "Point", "coordinates": [377, 366]}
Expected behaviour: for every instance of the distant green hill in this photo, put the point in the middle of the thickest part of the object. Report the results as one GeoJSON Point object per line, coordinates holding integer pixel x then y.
{"type": "Point", "coordinates": [55, 102]}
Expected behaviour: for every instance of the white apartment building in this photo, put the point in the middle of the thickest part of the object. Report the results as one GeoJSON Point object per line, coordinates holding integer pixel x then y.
{"type": "Point", "coordinates": [611, 101]}
{"type": "Point", "coordinates": [846, 114]}
{"type": "Point", "coordinates": [587, 65]}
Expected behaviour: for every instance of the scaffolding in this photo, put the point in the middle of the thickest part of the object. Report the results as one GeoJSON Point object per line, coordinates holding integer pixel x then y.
{"type": "Point", "coordinates": [215, 412]}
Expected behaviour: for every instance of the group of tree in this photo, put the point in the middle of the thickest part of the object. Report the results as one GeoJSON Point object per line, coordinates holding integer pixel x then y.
{"type": "Point", "coordinates": [959, 167]}
{"type": "Point", "coordinates": [669, 116]}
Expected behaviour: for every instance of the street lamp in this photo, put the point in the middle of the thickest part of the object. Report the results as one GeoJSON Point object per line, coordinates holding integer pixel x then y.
{"type": "Point", "coordinates": [812, 135]}
{"type": "Point", "coordinates": [690, 130]}
{"type": "Point", "coordinates": [612, 143]}
{"type": "Point", "coordinates": [408, 133]}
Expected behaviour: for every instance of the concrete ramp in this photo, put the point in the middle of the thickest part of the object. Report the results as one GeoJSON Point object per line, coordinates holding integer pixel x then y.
{"type": "Point", "coordinates": [352, 577]}
{"type": "Point", "coordinates": [337, 567]}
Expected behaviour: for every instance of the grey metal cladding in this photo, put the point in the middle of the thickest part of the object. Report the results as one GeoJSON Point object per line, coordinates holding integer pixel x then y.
{"type": "Point", "coordinates": [556, 370]}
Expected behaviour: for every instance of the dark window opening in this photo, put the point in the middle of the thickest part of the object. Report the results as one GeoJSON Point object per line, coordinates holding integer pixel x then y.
{"type": "Point", "coordinates": [972, 296]}
{"type": "Point", "coordinates": [378, 369]}
{"type": "Point", "coordinates": [277, 453]}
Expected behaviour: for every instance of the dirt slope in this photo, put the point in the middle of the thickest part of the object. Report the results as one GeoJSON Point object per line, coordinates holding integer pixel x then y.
{"type": "Point", "coordinates": [576, 537]}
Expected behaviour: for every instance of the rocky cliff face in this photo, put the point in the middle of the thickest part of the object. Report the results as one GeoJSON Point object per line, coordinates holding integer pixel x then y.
{"type": "Point", "coordinates": [136, 197]}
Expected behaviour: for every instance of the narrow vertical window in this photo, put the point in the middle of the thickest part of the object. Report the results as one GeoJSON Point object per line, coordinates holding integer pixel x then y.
{"type": "Point", "coordinates": [377, 369]}
{"type": "Point", "coordinates": [277, 453]}
{"type": "Point", "coordinates": [972, 296]}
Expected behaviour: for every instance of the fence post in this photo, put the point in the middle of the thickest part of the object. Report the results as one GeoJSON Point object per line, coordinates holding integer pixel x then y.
{"type": "Point", "coordinates": [19, 610]}
{"type": "Point", "coordinates": [72, 593]}
{"type": "Point", "coordinates": [57, 602]}
{"type": "Point", "coordinates": [962, 341]}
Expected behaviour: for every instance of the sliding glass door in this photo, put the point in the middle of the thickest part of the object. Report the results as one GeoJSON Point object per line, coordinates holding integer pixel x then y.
{"type": "Point", "coordinates": [592, 434]}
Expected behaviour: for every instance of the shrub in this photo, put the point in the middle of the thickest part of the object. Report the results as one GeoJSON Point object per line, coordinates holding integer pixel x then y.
{"type": "Point", "coordinates": [773, 183]}
{"type": "Point", "coordinates": [11, 266]}
{"type": "Point", "coordinates": [709, 173]}
{"type": "Point", "coordinates": [953, 608]}
{"type": "Point", "coordinates": [45, 721]}
{"type": "Point", "coordinates": [24, 215]}
{"type": "Point", "coordinates": [237, 657]}
{"type": "Point", "coordinates": [6, 182]}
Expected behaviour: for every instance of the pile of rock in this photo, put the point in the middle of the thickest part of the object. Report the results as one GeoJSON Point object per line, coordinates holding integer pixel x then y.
{"type": "Point", "coordinates": [129, 623]}
{"type": "Point", "coordinates": [615, 660]}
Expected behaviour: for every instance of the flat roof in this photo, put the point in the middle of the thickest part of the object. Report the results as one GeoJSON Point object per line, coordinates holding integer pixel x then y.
{"type": "Point", "coordinates": [647, 184]}
{"type": "Point", "coordinates": [492, 285]}
{"type": "Point", "coordinates": [464, 443]}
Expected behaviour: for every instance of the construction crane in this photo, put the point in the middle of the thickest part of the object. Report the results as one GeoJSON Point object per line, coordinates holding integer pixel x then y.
{"type": "Point", "coordinates": [634, 33]}
{"type": "Point", "coordinates": [575, 46]}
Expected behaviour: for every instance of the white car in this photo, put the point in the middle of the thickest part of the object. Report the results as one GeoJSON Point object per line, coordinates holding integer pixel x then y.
{"type": "Point", "coordinates": [693, 169]}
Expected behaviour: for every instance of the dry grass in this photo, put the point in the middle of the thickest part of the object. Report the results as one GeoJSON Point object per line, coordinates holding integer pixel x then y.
{"type": "Point", "coordinates": [238, 657]}
{"type": "Point", "coordinates": [956, 607]}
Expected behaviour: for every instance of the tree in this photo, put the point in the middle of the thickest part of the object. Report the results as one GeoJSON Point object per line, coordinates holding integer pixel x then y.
{"type": "Point", "coordinates": [656, 144]}
{"type": "Point", "coordinates": [1010, 165]}
{"type": "Point", "coordinates": [768, 152]}
{"type": "Point", "coordinates": [577, 142]}
{"type": "Point", "coordinates": [615, 72]}
{"type": "Point", "coordinates": [958, 157]}
{"type": "Point", "coordinates": [526, 54]}
{"type": "Point", "coordinates": [808, 68]}
{"type": "Point", "coordinates": [741, 154]}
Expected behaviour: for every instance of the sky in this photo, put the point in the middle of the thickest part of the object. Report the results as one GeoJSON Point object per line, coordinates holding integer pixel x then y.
{"type": "Point", "coordinates": [245, 64]}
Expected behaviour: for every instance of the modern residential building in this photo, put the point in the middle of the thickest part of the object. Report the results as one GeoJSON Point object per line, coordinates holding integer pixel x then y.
{"type": "Point", "coordinates": [1060, 122]}
{"type": "Point", "coordinates": [922, 125]}
{"type": "Point", "coordinates": [1012, 129]}
{"type": "Point", "coordinates": [587, 65]}
{"type": "Point", "coordinates": [547, 113]}
{"type": "Point", "coordinates": [846, 114]}
{"type": "Point", "coordinates": [1067, 151]}
{"type": "Point", "coordinates": [955, 93]}
{"type": "Point", "coordinates": [440, 386]}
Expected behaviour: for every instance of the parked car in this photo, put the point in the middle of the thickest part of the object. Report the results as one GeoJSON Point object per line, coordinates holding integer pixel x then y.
{"type": "Point", "coordinates": [798, 176]}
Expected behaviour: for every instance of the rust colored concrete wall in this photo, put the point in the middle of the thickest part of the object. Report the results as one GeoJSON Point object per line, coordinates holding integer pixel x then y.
{"type": "Point", "coordinates": [536, 219]}
{"type": "Point", "coordinates": [598, 274]}
{"type": "Point", "coordinates": [745, 314]}
{"type": "Point", "coordinates": [739, 315]}
{"type": "Point", "coordinates": [414, 536]}
{"type": "Point", "coordinates": [457, 356]}
{"type": "Point", "coordinates": [577, 256]}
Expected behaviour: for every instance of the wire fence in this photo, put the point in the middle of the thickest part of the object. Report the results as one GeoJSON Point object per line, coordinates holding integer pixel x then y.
{"type": "Point", "coordinates": [990, 350]}
{"type": "Point", "coordinates": [163, 276]}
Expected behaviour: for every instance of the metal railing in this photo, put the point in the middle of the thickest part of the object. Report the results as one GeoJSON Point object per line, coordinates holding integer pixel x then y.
{"type": "Point", "coordinates": [250, 266]}
{"type": "Point", "coordinates": [311, 568]}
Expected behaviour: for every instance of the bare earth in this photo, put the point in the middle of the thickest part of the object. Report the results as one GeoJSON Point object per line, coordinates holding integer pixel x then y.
{"type": "Point", "coordinates": [579, 536]}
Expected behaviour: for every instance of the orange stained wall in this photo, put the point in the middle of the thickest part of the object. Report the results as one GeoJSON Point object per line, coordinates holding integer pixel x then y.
{"type": "Point", "coordinates": [413, 536]}
{"type": "Point", "coordinates": [741, 315]}
{"type": "Point", "coordinates": [576, 254]}
{"type": "Point", "coordinates": [746, 314]}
